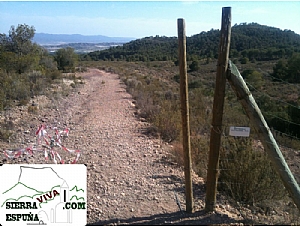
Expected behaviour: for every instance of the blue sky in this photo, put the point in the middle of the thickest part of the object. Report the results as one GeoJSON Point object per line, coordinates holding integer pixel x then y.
{"type": "Point", "coordinates": [143, 18]}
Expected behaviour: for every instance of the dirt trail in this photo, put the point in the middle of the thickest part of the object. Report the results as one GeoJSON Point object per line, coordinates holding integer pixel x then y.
{"type": "Point", "coordinates": [125, 176]}
{"type": "Point", "coordinates": [131, 181]}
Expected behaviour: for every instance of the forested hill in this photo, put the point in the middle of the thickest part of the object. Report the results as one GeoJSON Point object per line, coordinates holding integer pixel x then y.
{"type": "Point", "coordinates": [252, 41]}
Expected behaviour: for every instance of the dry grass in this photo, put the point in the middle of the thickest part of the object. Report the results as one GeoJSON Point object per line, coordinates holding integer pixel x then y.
{"type": "Point", "coordinates": [154, 85]}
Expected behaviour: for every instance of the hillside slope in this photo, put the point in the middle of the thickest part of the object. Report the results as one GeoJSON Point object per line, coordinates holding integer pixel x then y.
{"type": "Point", "coordinates": [252, 40]}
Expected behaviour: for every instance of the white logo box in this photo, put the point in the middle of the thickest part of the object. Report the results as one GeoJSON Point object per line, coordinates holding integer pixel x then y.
{"type": "Point", "coordinates": [43, 194]}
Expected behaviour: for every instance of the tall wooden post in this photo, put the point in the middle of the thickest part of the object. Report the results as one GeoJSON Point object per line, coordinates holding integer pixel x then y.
{"type": "Point", "coordinates": [185, 115]}
{"type": "Point", "coordinates": [215, 134]}
{"type": "Point", "coordinates": [263, 131]}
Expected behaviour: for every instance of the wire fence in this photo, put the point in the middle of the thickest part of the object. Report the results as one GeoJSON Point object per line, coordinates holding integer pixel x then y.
{"type": "Point", "coordinates": [289, 143]}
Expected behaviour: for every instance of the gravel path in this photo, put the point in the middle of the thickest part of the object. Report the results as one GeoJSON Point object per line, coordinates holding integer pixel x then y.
{"type": "Point", "coordinates": [131, 181]}
{"type": "Point", "coordinates": [127, 174]}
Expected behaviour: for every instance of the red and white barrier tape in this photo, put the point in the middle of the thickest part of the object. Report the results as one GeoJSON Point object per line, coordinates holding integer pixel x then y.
{"type": "Point", "coordinates": [17, 153]}
{"type": "Point", "coordinates": [47, 142]}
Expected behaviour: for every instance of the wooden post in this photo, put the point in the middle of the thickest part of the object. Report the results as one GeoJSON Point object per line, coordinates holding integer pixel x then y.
{"type": "Point", "coordinates": [185, 116]}
{"type": "Point", "coordinates": [265, 135]}
{"type": "Point", "coordinates": [216, 130]}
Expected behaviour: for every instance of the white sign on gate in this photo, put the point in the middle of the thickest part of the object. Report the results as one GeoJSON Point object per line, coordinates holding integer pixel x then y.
{"type": "Point", "coordinates": [239, 131]}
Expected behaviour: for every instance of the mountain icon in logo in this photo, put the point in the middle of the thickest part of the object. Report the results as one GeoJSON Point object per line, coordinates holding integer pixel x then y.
{"type": "Point", "coordinates": [41, 196]}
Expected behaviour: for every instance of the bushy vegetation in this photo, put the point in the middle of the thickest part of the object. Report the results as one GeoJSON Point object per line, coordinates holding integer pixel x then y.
{"type": "Point", "coordinates": [149, 69]}
{"type": "Point", "coordinates": [146, 49]}
{"type": "Point", "coordinates": [66, 59]}
{"type": "Point", "coordinates": [249, 42]}
{"type": "Point", "coordinates": [277, 93]}
{"type": "Point", "coordinates": [267, 59]}
{"type": "Point", "coordinates": [26, 69]}
{"type": "Point", "coordinates": [288, 70]}
{"type": "Point", "coordinates": [246, 173]}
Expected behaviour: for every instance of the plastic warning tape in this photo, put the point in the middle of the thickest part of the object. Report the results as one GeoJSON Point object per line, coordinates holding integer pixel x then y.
{"type": "Point", "coordinates": [46, 143]}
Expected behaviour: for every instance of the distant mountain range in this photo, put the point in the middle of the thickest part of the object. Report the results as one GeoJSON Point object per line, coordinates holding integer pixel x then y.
{"type": "Point", "coordinates": [56, 39]}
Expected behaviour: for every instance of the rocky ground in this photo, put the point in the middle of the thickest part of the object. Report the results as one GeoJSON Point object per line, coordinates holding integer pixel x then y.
{"type": "Point", "coordinates": [131, 178]}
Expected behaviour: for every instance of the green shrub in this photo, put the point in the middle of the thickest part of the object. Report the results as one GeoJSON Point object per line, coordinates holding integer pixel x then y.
{"type": "Point", "coordinates": [246, 174]}
{"type": "Point", "coordinates": [200, 150]}
{"type": "Point", "coordinates": [254, 78]}
{"type": "Point", "coordinates": [194, 66]}
{"type": "Point", "coordinates": [168, 121]}
{"type": "Point", "coordinates": [55, 75]}
{"type": "Point", "coordinates": [146, 104]}
{"type": "Point", "coordinates": [244, 60]}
